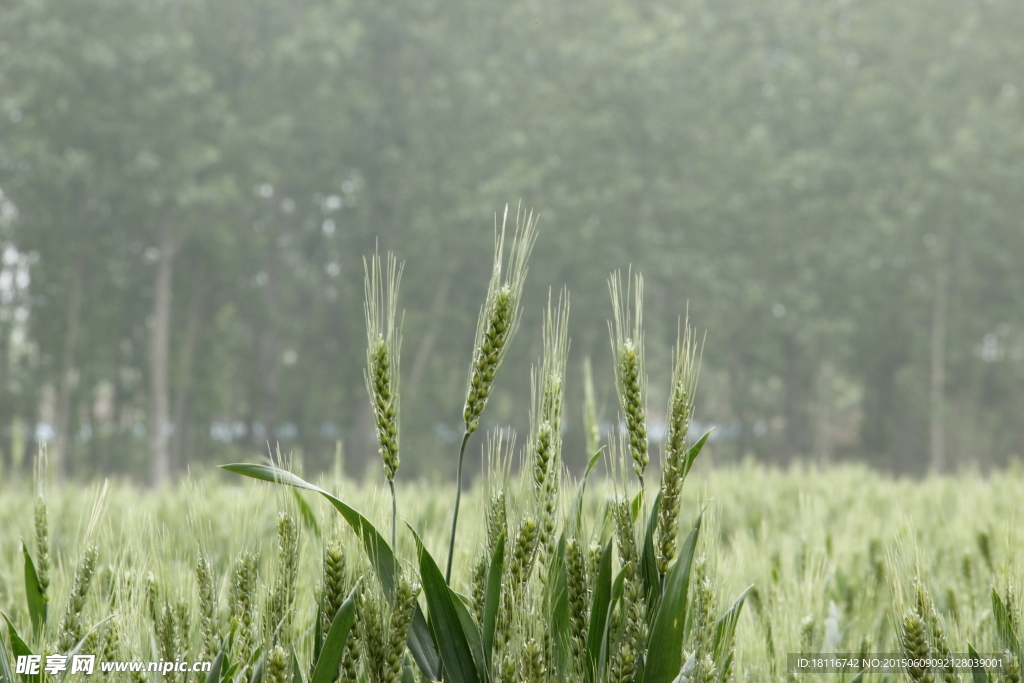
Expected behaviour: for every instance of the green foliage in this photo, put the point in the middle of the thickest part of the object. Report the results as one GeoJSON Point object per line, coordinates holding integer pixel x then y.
{"type": "Point", "coordinates": [806, 175]}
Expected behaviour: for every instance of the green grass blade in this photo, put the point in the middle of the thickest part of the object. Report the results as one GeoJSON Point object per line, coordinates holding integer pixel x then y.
{"type": "Point", "coordinates": [616, 595]}
{"type": "Point", "coordinates": [576, 513]}
{"type": "Point", "coordinates": [257, 670]}
{"type": "Point", "coordinates": [334, 645]}
{"type": "Point", "coordinates": [637, 506]}
{"type": "Point", "coordinates": [599, 612]}
{"type": "Point", "coordinates": [18, 648]}
{"type": "Point", "coordinates": [725, 631]}
{"type": "Point", "coordinates": [34, 595]}
{"type": "Point", "coordinates": [978, 674]}
{"type": "Point", "coordinates": [452, 641]}
{"type": "Point", "coordinates": [297, 675]}
{"type": "Point", "coordinates": [665, 658]}
{"type": "Point", "coordinates": [218, 664]}
{"type": "Point", "coordinates": [1004, 626]}
{"type": "Point", "coordinates": [308, 518]}
{"type": "Point", "coordinates": [318, 631]}
{"type": "Point", "coordinates": [381, 557]}
{"type": "Point", "coordinates": [557, 602]}
{"type": "Point", "coordinates": [691, 454]}
{"type": "Point", "coordinates": [860, 677]}
{"type": "Point", "coordinates": [649, 563]}
{"type": "Point", "coordinates": [492, 599]}
{"type": "Point", "coordinates": [6, 675]}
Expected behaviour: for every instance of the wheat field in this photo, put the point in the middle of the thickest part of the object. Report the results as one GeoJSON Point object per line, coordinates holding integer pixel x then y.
{"type": "Point", "coordinates": [631, 572]}
{"type": "Point", "coordinates": [828, 552]}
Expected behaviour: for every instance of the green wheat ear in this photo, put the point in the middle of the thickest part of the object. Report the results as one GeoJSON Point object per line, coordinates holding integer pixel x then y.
{"type": "Point", "coordinates": [500, 315]}
{"type": "Point", "coordinates": [71, 630]}
{"type": "Point", "coordinates": [496, 325]}
{"type": "Point", "coordinates": [626, 330]}
{"type": "Point", "coordinates": [383, 348]}
{"type": "Point", "coordinates": [545, 444]}
{"type": "Point", "coordinates": [42, 527]}
{"type": "Point", "coordinates": [675, 466]}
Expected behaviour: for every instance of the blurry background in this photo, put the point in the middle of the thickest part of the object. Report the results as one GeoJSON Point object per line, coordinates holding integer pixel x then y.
{"type": "Point", "coordinates": [189, 188]}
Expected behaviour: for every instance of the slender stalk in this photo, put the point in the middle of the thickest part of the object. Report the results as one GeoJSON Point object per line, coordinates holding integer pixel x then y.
{"type": "Point", "coordinates": [394, 515]}
{"type": "Point", "coordinates": [455, 515]}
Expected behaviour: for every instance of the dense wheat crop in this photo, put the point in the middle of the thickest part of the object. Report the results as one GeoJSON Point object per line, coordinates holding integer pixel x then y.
{"type": "Point", "coordinates": [641, 570]}
{"type": "Point", "coordinates": [824, 549]}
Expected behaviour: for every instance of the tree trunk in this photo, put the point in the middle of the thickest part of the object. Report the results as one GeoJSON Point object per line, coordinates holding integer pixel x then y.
{"type": "Point", "coordinates": [185, 362]}
{"type": "Point", "coordinates": [68, 374]}
{"type": "Point", "coordinates": [159, 422]}
{"type": "Point", "coordinates": [796, 398]}
{"type": "Point", "coordinates": [6, 414]}
{"type": "Point", "coordinates": [937, 402]}
{"type": "Point", "coordinates": [426, 346]}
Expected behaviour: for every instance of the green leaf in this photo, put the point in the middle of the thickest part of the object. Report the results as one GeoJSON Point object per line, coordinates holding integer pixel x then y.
{"type": "Point", "coordinates": [218, 664]}
{"type": "Point", "coordinates": [6, 675]}
{"type": "Point", "coordinates": [556, 600]}
{"type": "Point", "coordinates": [649, 563]}
{"type": "Point", "coordinates": [860, 677]}
{"type": "Point", "coordinates": [18, 648]}
{"type": "Point", "coordinates": [1004, 626]}
{"type": "Point", "coordinates": [637, 505]}
{"type": "Point", "coordinates": [599, 611]}
{"type": "Point", "coordinates": [665, 658]}
{"type": "Point", "coordinates": [691, 454]}
{"type": "Point", "coordinates": [577, 508]}
{"type": "Point", "coordinates": [297, 675]}
{"type": "Point", "coordinates": [978, 674]}
{"type": "Point", "coordinates": [725, 631]}
{"type": "Point", "coordinates": [407, 674]}
{"type": "Point", "coordinates": [334, 645]}
{"type": "Point", "coordinates": [318, 631]}
{"type": "Point", "coordinates": [307, 513]}
{"type": "Point", "coordinates": [492, 599]}
{"type": "Point", "coordinates": [453, 643]}
{"type": "Point", "coordinates": [34, 595]}
{"type": "Point", "coordinates": [382, 559]}
{"type": "Point", "coordinates": [257, 670]}
{"type": "Point", "coordinates": [616, 595]}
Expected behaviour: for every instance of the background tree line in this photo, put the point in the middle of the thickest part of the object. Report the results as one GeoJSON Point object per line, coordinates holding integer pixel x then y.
{"type": "Point", "coordinates": [832, 189]}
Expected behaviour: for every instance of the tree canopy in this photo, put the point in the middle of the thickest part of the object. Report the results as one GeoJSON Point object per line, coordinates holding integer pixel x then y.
{"type": "Point", "coordinates": [831, 190]}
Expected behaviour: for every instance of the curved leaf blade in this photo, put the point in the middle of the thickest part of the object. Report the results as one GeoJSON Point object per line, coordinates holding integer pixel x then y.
{"type": "Point", "coordinates": [725, 631]}
{"type": "Point", "coordinates": [663, 662]}
{"type": "Point", "coordinates": [334, 645]}
{"type": "Point", "coordinates": [599, 611]}
{"type": "Point", "coordinates": [648, 561]}
{"type": "Point", "coordinates": [691, 454]}
{"type": "Point", "coordinates": [18, 649]}
{"type": "Point", "coordinates": [218, 664]}
{"type": "Point", "coordinates": [978, 674]}
{"type": "Point", "coordinates": [492, 599]}
{"type": "Point", "coordinates": [381, 557]}
{"type": "Point", "coordinates": [452, 641]}
{"type": "Point", "coordinates": [33, 594]}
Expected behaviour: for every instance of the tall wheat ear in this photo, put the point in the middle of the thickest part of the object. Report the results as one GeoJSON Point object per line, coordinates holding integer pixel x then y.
{"type": "Point", "coordinates": [626, 331]}
{"type": "Point", "coordinates": [383, 349]}
{"type": "Point", "coordinates": [496, 325]}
